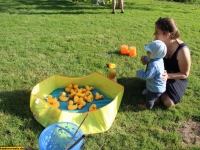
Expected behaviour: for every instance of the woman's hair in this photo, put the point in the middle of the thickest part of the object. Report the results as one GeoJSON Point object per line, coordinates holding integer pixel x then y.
{"type": "Point", "coordinates": [167, 25]}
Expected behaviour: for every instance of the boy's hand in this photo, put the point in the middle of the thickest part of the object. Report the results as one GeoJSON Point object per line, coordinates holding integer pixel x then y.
{"type": "Point", "coordinates": [142, 59]}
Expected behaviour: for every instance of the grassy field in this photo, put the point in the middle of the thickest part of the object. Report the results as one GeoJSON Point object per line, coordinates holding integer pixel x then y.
{"type": "Point", "coordinates": [40, 38]}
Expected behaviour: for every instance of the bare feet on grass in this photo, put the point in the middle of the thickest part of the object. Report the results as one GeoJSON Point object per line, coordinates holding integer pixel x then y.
{"type": "Point", "coordinates": [142, 106]}
{"type": "Point", "coordinates": [157, 101]}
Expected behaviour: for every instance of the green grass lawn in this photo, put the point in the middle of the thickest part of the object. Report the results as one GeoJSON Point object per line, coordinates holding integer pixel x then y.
{"type": "Point", "coordinates": [39, 38]}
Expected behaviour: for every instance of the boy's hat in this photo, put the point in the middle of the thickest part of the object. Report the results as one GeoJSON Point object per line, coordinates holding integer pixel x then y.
{"type": "Point", "coordinates": [157, 48]}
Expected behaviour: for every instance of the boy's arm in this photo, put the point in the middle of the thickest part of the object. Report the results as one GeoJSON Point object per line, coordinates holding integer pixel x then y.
{"type": "Point", "coordinates": [149, 74]}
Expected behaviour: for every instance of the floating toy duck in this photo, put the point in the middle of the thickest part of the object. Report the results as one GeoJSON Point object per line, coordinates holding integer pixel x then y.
{"type": "Point", "coordinates": [50, 99]}
{"type": "Point", "coordinates": [80, 107]}
{"type": "Point", "coordinates": [98, 96]}
{"type": "Point", "coordinates": [69, 87]}
{"type": "Point", "coordinates": [53, 101]}
{"type": "Point", "coordinates": [75, 86]}
{"type": "Point", "coordinates": [63, 97]}
{"type": "Point", "coordinates": [87, 93]}
{"type": "Point", "coordinates": [81, 101]}
{"type": "Point", "coordinates": [89, 98]}
{"type": "Point", "coordinates": [80, 94]}
{"type": "Point", "coordinates": [73, 93]}
{"type": "Point", "coordinates": [56, 104]}
{"type": "Point", "coordinates": [76, 99]}
{"type": "Point", "coordinates": [83, 90]}
{"type": "Point", "coordinates": [71, 105]}
{"type": "Point", "coordinates": [88, 88]}
{"type": "Point", "coordinates": [93, 107]}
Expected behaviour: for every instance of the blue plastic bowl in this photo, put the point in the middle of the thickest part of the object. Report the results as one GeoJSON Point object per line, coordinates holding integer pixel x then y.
{"type": "Point", "coordinates": [58, 135]}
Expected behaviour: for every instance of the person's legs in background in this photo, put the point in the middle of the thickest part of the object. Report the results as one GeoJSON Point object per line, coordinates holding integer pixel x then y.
{"type": "Point", "coordinates": [113, 6]}
{"type": "Point", "coordinates": [121, 5]}
{"type": "Point", "coordinates": [96, 3]}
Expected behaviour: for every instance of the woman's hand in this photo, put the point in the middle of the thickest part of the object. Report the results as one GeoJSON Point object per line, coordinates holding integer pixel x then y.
{"type": "Point", "coordinates": [142, 59]}
{"type": "Point", "coordinates": [165, 76]}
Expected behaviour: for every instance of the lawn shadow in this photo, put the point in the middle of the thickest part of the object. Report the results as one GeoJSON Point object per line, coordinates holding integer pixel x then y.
{"type": "Point", "coordinates": [63, 7]}
{"type": "Point", "coordinates": [133, 88]}
{"type": "Point", "coordinates": [132, 93]}
{"type": "Point", "coordinates": [16, 103]}
{"type": "Point", "coordinates": [52, 7]}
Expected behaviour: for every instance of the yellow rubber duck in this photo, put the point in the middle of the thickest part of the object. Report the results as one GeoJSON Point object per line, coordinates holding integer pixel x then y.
{"type": "Point", "coordinates": [88, 88]}
{"type": "Point", "coordinates": [50, 99]}
{"type": "Point", "coordinates": [98, 96]}
{"type": "Point", "coordinates": [80, 94]}
{"type": "Point", "coordinates": [71, 105]}
{"type": "Point", "coordinates": [53, 101]}
{"type": "Point", "coordinates": [89, 98]}
{"type": "Point", "coordinates": [69, 87]}
{"type": "Point", "coordinates": [76, 98]}
{"type": "Point", "coordinates": [72, 94]}
{"type": "Point", "coordinates": [81, 101]}
{"type": "Point", "coordinates": [63, 97]}
{"type": "Point", "coordinates": [80, 107]}
{"type": "Point", "coordinates": [56, 104]}
{"type": "Point", "coordinates": [75, 86]}
{"type": "Point", "coordinates": [93, 107]}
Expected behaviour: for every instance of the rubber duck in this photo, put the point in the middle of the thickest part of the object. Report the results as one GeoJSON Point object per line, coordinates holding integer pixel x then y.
{"type": "Point", "coordinates": [80, 94]}
{"type": "Point", "coordinates": [71, 105]}
{"type": "Point", "coordinates": [98, 96]}
{"type": "Point", "coordinates": [80, 107]}
{"type": "Point", "coordinates": [111, 65]}
{"type": "Point", "coordinates": [63, 97]}
{"type": "Point", "coordinates": [93, 107]}
{"type": "Point", "coordinates": [56, 104]}
{"type": "Point", "coordinates": [81, 101]}
{"type": "Point", "coordinates": [71, 91]}
{"type": "Point", "coordinates": [49, 96]}
{"type": "Point", "coordinates": [87, 93]}
{"type": "Point", "coordinates": [89, 98]}
{"type": "Point", "coordinates": [53, 101]}
{"type": "Point", "coordinates": [72, 94]}
{"type": "Point", "coordinates": [50, 99]}
{"type": "Point", "coordinates": [75, 86]}
{"type": "Point", "coordinates": [88, 88]}
{"type": "Point", "coordinates": [112, 73]}
{"type": "Point", "coordinates": [76, 98]}
{"type": "Point", "coordinates": [83, 90]}
{"type": "Point", "coordinates": [69, 87]}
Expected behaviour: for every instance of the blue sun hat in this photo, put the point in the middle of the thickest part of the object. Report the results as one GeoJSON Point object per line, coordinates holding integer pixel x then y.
{"type": "Point", "coordinates": [157, 48]}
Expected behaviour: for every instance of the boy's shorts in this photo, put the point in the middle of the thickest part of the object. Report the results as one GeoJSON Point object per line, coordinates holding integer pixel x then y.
{"type": "Point", "coordinates": [151, 97]}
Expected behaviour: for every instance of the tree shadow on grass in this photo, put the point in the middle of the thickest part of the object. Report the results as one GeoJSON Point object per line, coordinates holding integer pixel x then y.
{"type": "Point", "coordinates": [62, 7]}
{"type": "Point", "coordinates": [16, 103]}
{"type": "Point", "coordinates": [51, 7]}
{"type": "Point", "coordinates": [132, 92]}
{"type": "Point", "coordinates": [133, 88]}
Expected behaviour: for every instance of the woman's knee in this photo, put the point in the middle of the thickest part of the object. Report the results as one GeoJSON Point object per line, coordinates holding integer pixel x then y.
{"type": "Point", "coordinates": [166, 100]}
{"type": "Point", "coordinates": [168, 103]}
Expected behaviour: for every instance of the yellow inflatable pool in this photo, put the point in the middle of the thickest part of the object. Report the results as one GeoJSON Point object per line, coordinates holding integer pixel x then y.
{"type": "Point", "coordinates": [97, 121]}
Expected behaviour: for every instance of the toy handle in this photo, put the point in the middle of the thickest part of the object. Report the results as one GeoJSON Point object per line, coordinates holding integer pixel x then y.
{"type": "Point", "coordinates": [84, 135]}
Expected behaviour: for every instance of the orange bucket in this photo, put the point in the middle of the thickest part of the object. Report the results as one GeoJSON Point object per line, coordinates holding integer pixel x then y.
{"type": "Point", "coordinates": [124, 49]}
{"type": "Point", "coordinates": [132, 51]}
